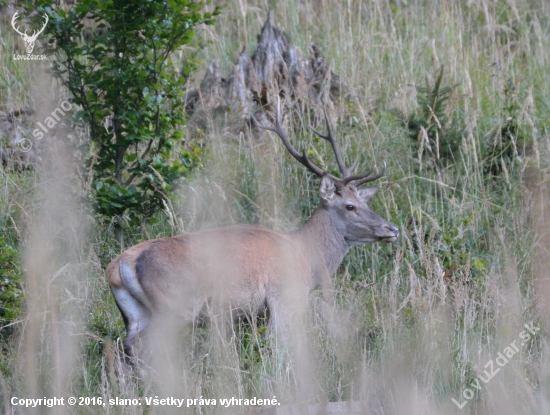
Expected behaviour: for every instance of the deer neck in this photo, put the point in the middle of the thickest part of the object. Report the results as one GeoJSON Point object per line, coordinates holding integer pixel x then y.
{"type": "Point", "coordinates": [320, 237]}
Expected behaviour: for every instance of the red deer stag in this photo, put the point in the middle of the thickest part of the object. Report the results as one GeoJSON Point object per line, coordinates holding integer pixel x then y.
{"type": "Point", "coordinates": [244, 269]}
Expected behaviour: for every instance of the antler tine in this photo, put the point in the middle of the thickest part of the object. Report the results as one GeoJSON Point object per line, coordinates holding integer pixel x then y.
{"type": "Point", "coordinates": [364, 178]}
{"type": "Point", "coordinates": [353, 165]}
{"type": "Point", "coordinates": [357, 177]}
{"type": "Point", "coordinates": [278, 129]}
{"type": "Point", "coordinates": [43, 27]}
{"type": "Point", "coordinates": [13, 20]}
{"type": "Point", "coordinates": [346, 171]}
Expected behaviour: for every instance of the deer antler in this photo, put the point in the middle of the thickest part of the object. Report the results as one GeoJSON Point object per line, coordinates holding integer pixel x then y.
{"type": "Point", "coordinates": [13, 20]}
{"type": "Point", "coordinates": [35, 34]}
{"type": "Point", "coordinates": [346, 171]}
{"type": "Point", "coordinates": [366, 178]}
{"type": "Point", "coordinates": [303, 159]}
{"type": "Point", "coordinates": [278, 129]}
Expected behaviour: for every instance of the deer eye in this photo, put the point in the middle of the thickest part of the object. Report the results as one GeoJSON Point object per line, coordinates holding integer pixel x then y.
{"type": "Point", "coordinates": [350, 207]}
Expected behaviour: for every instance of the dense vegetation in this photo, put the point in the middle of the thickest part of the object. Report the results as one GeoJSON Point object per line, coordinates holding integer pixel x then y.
{"type": "Point", "coordinates": [453, 96]}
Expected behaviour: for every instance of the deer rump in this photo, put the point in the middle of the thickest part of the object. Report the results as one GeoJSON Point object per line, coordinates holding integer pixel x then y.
{"type": "Point", "coordinates": [242, 271]}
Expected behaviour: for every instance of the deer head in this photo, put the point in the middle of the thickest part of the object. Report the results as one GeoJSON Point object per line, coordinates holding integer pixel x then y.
{"type": "Point", "coordinates": [29, 40]}
{"type": "Point", "coordinates": [341, 198]}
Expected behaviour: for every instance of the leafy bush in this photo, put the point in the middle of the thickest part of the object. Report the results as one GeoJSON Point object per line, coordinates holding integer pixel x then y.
{"type": "Point", "coordinates": [130, 97]}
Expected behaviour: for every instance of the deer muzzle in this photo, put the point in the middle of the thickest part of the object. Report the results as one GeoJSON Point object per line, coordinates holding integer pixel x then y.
{"type": "Point", "coordinates": [390, 233]}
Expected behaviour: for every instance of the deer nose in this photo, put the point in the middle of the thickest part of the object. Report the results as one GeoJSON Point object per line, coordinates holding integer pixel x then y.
{"type": "Point", "coordinates": [392, 228]}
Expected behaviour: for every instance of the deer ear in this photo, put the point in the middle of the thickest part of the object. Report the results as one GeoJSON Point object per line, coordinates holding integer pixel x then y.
{"type": "Point", "coordinates": [327, 188]}
{"type": "Point", "coordinates": [367, 192]}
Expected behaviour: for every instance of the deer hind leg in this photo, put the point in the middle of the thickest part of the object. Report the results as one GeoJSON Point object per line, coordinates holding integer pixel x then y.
{"type": "Point", "coordinates": [282, 320]}
{"type": "Point", "coordinates": [136, 318]}
{"type": "Point", "coordinates": [134, 307]}
{"type": "Point", "coordinates": [277, 321]}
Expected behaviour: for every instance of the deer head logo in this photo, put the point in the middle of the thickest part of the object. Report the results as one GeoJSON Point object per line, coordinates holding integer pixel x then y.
{"type": "Point", "coordinates": [29, 40]}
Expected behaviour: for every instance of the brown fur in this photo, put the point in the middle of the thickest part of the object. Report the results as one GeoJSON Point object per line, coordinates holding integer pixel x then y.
{"type": "Point", "coordinates": [254, 248]}
{"type": "Point", "coordinates": [238, 269]}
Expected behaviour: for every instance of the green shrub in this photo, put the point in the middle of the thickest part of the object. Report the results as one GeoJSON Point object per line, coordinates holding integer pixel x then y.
{"type": "Point", "coordinates": [436, 127]}
{"type": "Point", "coordinates": [129, 94]}
{"type": "Point", "coordinates": [11, 288]}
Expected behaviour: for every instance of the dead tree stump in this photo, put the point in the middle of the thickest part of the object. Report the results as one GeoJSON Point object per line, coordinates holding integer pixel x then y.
{"type": "Point", "coordinates": [275, 69]}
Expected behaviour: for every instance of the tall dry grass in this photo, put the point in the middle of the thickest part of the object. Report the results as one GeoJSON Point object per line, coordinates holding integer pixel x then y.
{"type": "Point", "coordinates": [422, 317]}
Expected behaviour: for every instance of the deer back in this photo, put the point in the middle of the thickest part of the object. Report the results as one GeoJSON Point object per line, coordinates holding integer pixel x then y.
{"type": "Point", "coordinates": [233, 264]}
